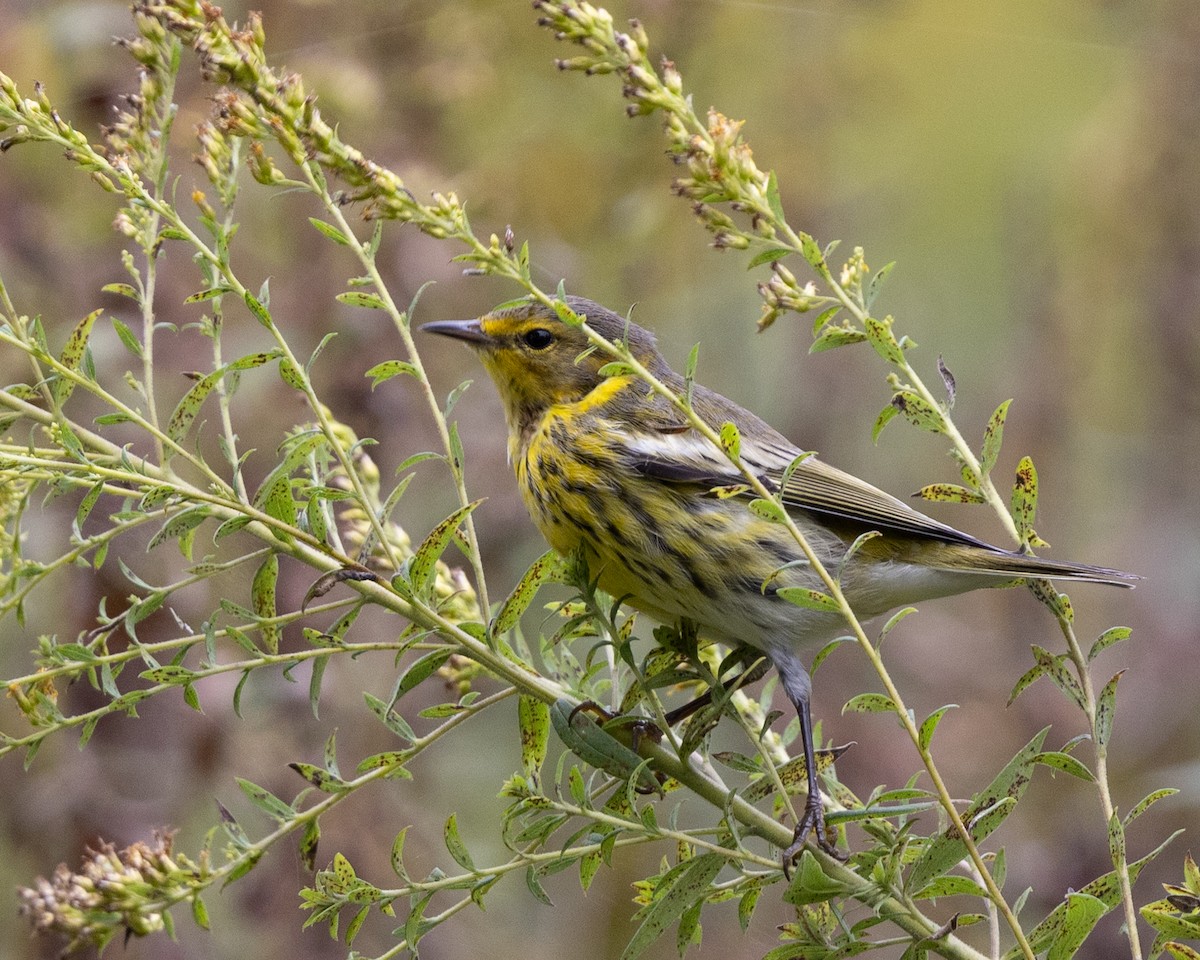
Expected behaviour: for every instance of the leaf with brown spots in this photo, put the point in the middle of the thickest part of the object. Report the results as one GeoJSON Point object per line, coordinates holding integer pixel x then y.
{"type": "Point", "coordinates": [948, 493]}
{"type": "Point", "coordinates": [919, 412]}
{"type": "Point", "coordinates": [987, 811]}
{"type": "Point", "coordinates": [72, 356]}
{"type": "Point", "coordinates": [1023, 504]}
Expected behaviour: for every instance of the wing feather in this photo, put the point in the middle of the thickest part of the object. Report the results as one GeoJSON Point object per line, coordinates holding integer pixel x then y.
{"type": "Point", "coordinates": [686, 457]}
{"type": "Point", "coordinates": [813, 486]}
{"type": "Point", "coordinates": [816, 486]}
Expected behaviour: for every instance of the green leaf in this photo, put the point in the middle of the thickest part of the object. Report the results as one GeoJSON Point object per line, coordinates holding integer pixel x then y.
{"type": "Point", "coordinates": [1066, 763]}
{"type": "Point", "coordinates": [731, 439]}
{"type": "Point", "coordinates": [356, 298]}
{"type": "Point", "coordinates": [1111, 636]}
{"type": "Point", "coordinates": [869, 703]}
{"type": "Point", "coordinates": [589, 863]}
{"type": "Point", "coordinates": [266, 801]}
{"type": "Point", "coordinates": [1116, 840]}
{"type": "Point", "coordinates": [809, 599]}
{"type": "Point", "coordinates": [182, 527]}
{"type": "Point", "coordinates": [792, 774]}
{"type": "Point", "coordinates": [356, 923]}
{"type": "Point", "coordinates": [397, 855]}
{"type": "Point", "coordinates": [1106, 705]}
{"type": "Point", "coordinates": [200, 913]}
{"type": "Point", "coordinates": [949, 493]}
{"type": "Point", "coordinates": [422, 567]}
{"type": "Point", "coordinates": [534, 884]}
{"type": "Point", "coordinates": [834, 337]}
{"type": "Point", "coordinates": [104, 420]}
{"type": "Point", "coordinates": [314, 684]}
{"type": "Point", "coordinates": [746, 905]}
{"type": "Point", "coordinates": [811, 884]}
{"type": "Point", "coordinates": [919, 412]}
{"type": "Point", "coordinates": [258, 310]}
{"type": "Point", "coordinates": [533, 717]}
{"type": "Point", "coordinates": [1082, 914]}
{"type": "Point", "coordinates": [824, 317]}
{"type": "Point", "coordinates": [769, 255]}
{"type": "Point", "coordinates": [993, 436]}
{"type": "Point", "coordinates": [1023, 504]}
{"type": "Point", "coordinates": [189, 405]}
{"type": "Point", "coordinates": [881, 338]}
{"type": "Point", "coordinates": [127, 337]}
{"type": "Point", "coordinates": [676, 893]}
{"type": "Point", "coordinates": [168, 673]}
{"type": "Point", "coordinates": [773, 199]}
{"type": "Point", "coordinates": [290, 374]}
{"type": "Point", "coordinates": [812, 252]}
{"type": "Point", "coordinates": [274, 497]}
{"type": "Point", "coordinates": [231, 526]}
{"type": "Point", "coordinates": [616, 368]}
{"type": "Point", "coordinates": [323, 780]}
{"type": "Point", "coordinates": [382, 372]}
{"type": "Point", "coordinates": [689, 373]}
{"type": "Point", "coordinates": [986, 812]}
{"type": "Point", "coordinates": [72, 356]}
{"type": "Point", "coordinates": [767, 510]}
{"type": "Point", "coordinates": [458, 850]}
{"type": "Point", "coordinates": [1146, 802]}
{"type": "Point", "coordinates": [930, 724]}
{"type": "Point", "coordinates": [877, 282]}
{"type": "Point", "coordinates": [422, 668]}
{"type": "Point", "coordinates": [329, 230]}
{"type": "Point", "coordinates": [69, 441]}
{"type": "Point", "coordinates": [881, 421]}
{"type": "Point", "coordinates": [548, 568]}
{"type": "Point", "coordinates": [950, 885]}
{"type": "Point", "coordinates": [391, 760]}
{"type": "Point", "coordinates": [262, 593]}
{"type": "Point", "coordinates": [124, 289]}
{"type": "Point", "coordinates": [210, 294]}
{"type": "Point", "coordinates": [597, 747]}
{"type": "Point", "coordinates": [894, 620]}
{"type": "Point", "coordinates": [86, 505]}
{"type": "Point", "coordinates": [389, 718]}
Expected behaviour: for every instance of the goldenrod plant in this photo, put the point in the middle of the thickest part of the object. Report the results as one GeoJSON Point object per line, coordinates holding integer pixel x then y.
{"type": "Point", "coordinates": [608, 760]}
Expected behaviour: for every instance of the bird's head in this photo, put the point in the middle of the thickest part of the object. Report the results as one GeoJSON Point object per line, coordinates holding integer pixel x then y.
{"type": "Point", "coordinates": [537, 361]}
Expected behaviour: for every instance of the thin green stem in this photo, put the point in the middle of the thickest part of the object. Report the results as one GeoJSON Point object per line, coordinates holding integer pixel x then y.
{"type": "Point", "coordinates": [403, 326]}
{"type": "Point", "coordinates": [1102, 785]}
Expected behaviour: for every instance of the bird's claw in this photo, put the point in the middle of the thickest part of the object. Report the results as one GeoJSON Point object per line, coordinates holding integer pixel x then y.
{"type": "Point", "coordinates": [640, 727]}
{"type": "Point", "coordinates": [812, 821]}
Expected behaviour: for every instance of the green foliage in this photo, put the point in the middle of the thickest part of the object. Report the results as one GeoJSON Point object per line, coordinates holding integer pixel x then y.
{"type": "Point", "coordinates": [623, 777]}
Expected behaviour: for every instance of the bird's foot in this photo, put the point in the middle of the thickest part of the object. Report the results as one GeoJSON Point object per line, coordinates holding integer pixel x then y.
{"type": "Point", "coordinates": [590, 706]}
{"type": "Point", "coordinates": [640, 727]}
{"type": "Point", "coordinates": [812, 821]}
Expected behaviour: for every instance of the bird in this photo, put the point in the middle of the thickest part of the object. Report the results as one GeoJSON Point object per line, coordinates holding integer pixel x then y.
{"type": "Point", "coordinates": [611, 469]}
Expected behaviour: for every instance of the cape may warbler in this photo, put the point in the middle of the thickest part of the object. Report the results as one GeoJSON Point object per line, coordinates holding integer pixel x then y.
{"type": "Point", "coordinates": [610, 467]}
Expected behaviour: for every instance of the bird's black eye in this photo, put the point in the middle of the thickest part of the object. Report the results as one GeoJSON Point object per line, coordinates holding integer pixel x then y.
{"type": "Point", "coordinates": [539, 338]}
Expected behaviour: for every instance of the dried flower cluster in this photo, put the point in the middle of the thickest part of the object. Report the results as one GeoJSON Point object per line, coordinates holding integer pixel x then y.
{"type": "Point", "coordinates": [113, 890]}
{"type": "Point", "coordinates": [736, 201]}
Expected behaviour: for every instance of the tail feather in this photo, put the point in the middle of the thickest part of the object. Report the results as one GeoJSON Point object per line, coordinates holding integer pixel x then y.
{"type": "Point", "coordinates": [993, 562]}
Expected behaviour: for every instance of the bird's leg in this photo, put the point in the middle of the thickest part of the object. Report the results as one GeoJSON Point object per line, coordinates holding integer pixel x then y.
{"type": "Point", "coordinates": [798, 686]}
{"type": "Point", "coordinates": [743, 679]}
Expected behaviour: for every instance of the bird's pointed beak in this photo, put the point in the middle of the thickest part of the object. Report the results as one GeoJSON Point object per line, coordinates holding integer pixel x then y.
{"type": "Point", "coordinates": [468, 331]}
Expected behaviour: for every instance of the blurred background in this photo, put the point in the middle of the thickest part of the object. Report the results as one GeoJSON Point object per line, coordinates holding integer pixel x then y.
{"type": "Point", "coordinates": [1034, 168]}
